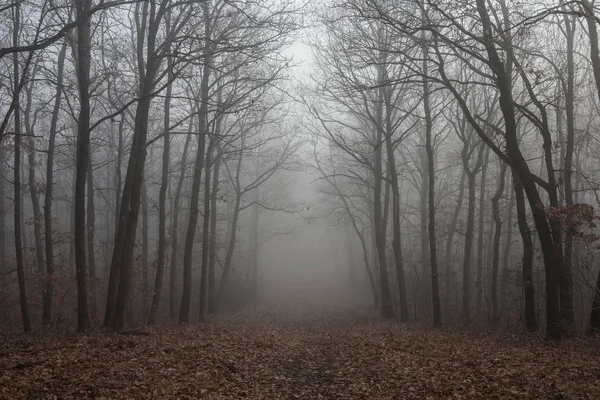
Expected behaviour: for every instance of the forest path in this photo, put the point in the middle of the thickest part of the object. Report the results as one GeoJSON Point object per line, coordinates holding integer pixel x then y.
{"type": "Point", "coordinates": [301, 352]}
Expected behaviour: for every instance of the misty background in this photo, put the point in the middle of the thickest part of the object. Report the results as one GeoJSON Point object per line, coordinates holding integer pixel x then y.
{"type": "Point", "coordinates": [170, 161]}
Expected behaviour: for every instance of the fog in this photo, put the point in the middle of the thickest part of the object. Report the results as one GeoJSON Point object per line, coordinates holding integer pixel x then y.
{"type": "Point", "coordinates": [172, 163]}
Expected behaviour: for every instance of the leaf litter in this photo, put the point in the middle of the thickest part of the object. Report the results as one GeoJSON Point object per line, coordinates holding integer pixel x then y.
{"type": "Point", "coordinates": [293, 354]}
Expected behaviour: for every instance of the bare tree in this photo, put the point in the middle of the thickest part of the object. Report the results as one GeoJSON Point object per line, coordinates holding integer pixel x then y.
{"type": "Point", "coordinates": [17, 175]}
{"type": "Point", "coordinates": [49, 193]}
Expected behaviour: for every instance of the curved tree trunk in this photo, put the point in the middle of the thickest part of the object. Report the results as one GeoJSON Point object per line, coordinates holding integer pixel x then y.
{"type": "Point", "coordinates": [553, 261]}
{"type": "Point", "coordinates": [48, 225]}
{"type": "Point", "coordinates": [125, 240]}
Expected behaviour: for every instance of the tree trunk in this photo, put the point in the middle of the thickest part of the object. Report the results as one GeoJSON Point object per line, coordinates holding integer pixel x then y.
{"type": "Point", "coordinates": [468, 254]}
{"type": "Point", "coordinates": [131, 201]}
{"type": "Point", "coordinates": [470, 226]}
{"type": "Point", "coordinates": [123, 252]}
{"type": "Point", "coordinates": [162, 201]}
{"type": "Point", "coordinates": [48, 225]}
{"type": "Point", "coordinates": [230, 248]}
{"type": "Point", "coordinates": [212, 254]}
{"type": "Point", "coordinates": [91, 221]}
{"type": "Point", "coordinates": [2, 205]}
{"type": "Point", "coordinates": [17, 179]}
{"type": "Point", "coordinates": [593, 35]}
{"type": "Point", "coordinates": [387, 308]}
{"type": "Point", "coordinates": [566, 278]}
{"type": "Point", "coordinates": [552, 257]}
{"type": "Point", "coordinates": [184, 311]}
{"type": "Point", "coordinates": [32, 184]}
{"type": "Point", "coordinates": [450, 239]}
{"type": "Point", "coordinates": [83, 56]}
{"type": "Point", "coordinates": [425, 295]}
{"type": "Point", "coordinates": [254, 237]}
{"type": "Point", "coordinates": [145, 245]}
{"type": "Point", "coordinates": [528, 288]}
{"type": "Point", "coordinates": [397, 240]}
{"type": "Point", "coordinates": [594, 327]}
{"type": "Point", "coordinates": [206, 233]}
{"type": "Point", "coordinates": [496, 241]}
{"type": "Point", "coordinates": [507, 247]}
{"type": "Point", "coordinates": [435, 289]}
{"type": "Point", "coordinates": [113, 277]}
{"type": "Point", "coordinates": [175, 227]}
{"type": "Point", "coordinates": [233, 226]}
{"type": "Point", "coordinates": [34, 195]}
{"type": "Point", "coordinates": [480, 231]}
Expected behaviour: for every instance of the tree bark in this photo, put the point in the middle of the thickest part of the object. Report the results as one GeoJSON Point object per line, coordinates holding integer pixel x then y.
{"type": "Point", "coordinates": [145, 245]}
{"type": "Point", "coordinates": [48, 225]}
{"type": "Point", "coordinates": [496, 241]}
{"type": "Point", "coordinates": [186, 297]}
{"type": "Point", "coordinates": [425, 295]}
{"type": "Point", "coordinates": [131, 200]}
{"type": "Point", "coordinates": [470, 225]}
{"type": "Point", "coordinates": [594, 327]}
{"type": "Point", "coordinates": [212, 254]}
{"type": "Point", "coordinates": [175, 228]}
{"type": "Point", "coordinates": [83, 55]}
{"type": "Point", "coordinates": [435, 289]}
{"type": "Point", "coordinates": [593, 35]}
{"type": "Point", "coordinates": [450, 239]}
{"type": "Point", "coordinates": [33, 191]}
{"type": "Point", "coordinates": [2, 205]}
{"type": "Point", "coordinates": [566, 278]}
{"type": "Point", "coordinates": [162, 200]}
{"type": "Point", "coordinates": [91, 228]}
{"type": "Point", "coordinates": [17, 179]}
{"type": "Point", "coordinates": [552, 257]}
{"type": "Point", "coordinates": [203, 308]}
{"type": "Point", "coordinates": [387, 309]}
{"type": "Point", "coordinates": [481, 270]}
{"type": "Point", "coordinates": [230, 248]}
{"type": "Point", "coordinates": [528, 287]}
{"type": "Point", "coordinates": [397, 240]}
{"type": "Point", "coordinates": [507, 247]}
{"type": "Point", "coordinates": [113, 275]}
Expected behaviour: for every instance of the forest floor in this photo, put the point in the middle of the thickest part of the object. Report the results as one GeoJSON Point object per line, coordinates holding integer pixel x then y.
{"type": "Point", "coordinates": [294, 355]}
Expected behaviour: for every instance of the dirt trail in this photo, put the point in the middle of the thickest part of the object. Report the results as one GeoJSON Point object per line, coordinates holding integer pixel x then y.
{"type": "Point", "coordinates": [303, 352]}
